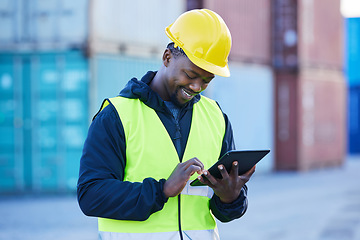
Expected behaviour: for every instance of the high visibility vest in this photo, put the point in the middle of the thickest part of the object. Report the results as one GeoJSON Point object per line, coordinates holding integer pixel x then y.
{"type": "Point", "coordinates": [150, 152]}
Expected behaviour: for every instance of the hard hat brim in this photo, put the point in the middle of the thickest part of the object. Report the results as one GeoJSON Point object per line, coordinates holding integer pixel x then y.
{"type": "Point", "coordinates": [201, 63]}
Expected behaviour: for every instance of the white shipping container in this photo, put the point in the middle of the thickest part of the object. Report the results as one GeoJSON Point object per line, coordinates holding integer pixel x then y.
{"type": "Point", "coordinates": [58, 21]}
{"type": "Point", "coordinates": [10, 21]}
{"type": "Point", "coordinates": [105, 26]}
{"type": "Point", "coordinates": [43, 24]}
{"type": "Point", "coordinates": [247, 99]}
{"type": "Point", "coordinates": [135, 26]}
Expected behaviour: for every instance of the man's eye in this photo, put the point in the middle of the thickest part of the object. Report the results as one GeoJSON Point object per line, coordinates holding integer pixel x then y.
{"type": "Point", "coordinates": [206, 82]}
{"type": "Point", "coordinates": [187, 75]}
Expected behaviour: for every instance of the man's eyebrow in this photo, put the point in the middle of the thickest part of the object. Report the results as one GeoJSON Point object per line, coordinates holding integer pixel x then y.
{"type": "Point", "coordinates": [198, 75]}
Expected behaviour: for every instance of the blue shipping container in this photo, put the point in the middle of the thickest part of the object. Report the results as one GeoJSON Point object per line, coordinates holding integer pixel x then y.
{"type": "Point", "coordinates": [354, 120]}
{"type": "Point", "coordinates": [44, 120]}
{"type": "Point", "coordinates": [352, 51]}
{"type": "Point", "coordinates": [11, 168]}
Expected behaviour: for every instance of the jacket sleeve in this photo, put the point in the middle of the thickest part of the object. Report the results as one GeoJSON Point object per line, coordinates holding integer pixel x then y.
{"type": "Point", "coordinates": [222, 211]}
{"type": "Point", "coordinates": [101, 190]}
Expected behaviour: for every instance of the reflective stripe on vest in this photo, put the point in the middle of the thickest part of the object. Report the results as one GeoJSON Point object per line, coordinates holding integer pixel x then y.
{"type": "Point", "coordinates": [212, 234]}
{"type": "Point", "coordinates": [150, 152]}
{"type": "Point", "coordinates": [204, 191]}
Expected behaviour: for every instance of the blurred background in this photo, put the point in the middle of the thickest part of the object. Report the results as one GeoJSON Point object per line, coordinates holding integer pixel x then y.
{"type": "Point", "coordinates": [294, 85]}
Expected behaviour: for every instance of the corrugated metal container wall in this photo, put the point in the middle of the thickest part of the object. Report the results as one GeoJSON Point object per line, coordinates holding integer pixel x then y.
{"type": "Point", "coordinates": [249, 24]}
{"type": "Point", "coordinates": [46, 120]}
{"type": "Point", "coordinates": [10, 22]}
{"type": "Point", "coordinates": [40, 24]}
{"type": "Point", "coordinates": [354, 120]}
{"type": "Point", "coordinates": [11, 121]}
{"type": "Point", "coordinates": [352, 51]}
{"type": "Point", "coordinates": [322, 118]}
{"type": "Point", "coordinates": [286, 134]}
{"type": "Point", "coordinates": [140, 29]}
{"type": "Point", "coordinates": [320, 33]}
{"type": "Point", "coordinates": [284, 40]}
{"type": "Point", "coordinates": [246, 97]}
{"type": "Point", "coordinates": [309, 133]}
{"type": "Point", "coordinates": [111, 73]}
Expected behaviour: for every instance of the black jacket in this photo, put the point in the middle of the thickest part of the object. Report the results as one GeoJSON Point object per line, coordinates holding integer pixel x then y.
{"type": "Point", "coordinates": [101, 189]}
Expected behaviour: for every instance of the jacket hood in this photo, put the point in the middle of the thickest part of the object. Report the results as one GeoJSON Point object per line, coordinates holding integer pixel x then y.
{"type": "Point", "coordinates": [136, 89]}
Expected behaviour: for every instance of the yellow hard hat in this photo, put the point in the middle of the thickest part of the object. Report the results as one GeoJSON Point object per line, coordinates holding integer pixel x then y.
{"type": "Point", "coordinates": [205, 38]}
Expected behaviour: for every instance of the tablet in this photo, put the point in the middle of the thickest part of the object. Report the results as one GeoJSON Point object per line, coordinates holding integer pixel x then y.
{"type": "Point", "coordinates": [246, 159]}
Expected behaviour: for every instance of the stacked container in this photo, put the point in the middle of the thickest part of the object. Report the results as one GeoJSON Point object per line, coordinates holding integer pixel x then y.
{"type": "Point", "coordinates": [44, 96]}
{"type": "Point", "coordinates": [352, 73]}
{"type": "Point", "coordinates": [59, 60]}
{"type": "Point", "coordinates": [310, 88]}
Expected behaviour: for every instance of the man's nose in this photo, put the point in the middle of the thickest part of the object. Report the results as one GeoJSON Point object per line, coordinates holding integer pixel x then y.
{"type": "Point", "coordinates": [196, 86]}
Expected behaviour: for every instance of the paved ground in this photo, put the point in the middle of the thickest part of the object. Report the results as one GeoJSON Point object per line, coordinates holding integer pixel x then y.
{"type": "Point", "coordinates": [316, 205]}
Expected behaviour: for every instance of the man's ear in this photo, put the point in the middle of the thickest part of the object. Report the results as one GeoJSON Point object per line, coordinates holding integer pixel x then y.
{"type": "Point", "coordinates": [166, 57]}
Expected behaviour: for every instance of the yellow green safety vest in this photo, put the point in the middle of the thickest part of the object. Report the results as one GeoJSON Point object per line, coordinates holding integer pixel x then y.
{"type": "Point", "coordinates": [150, 152]}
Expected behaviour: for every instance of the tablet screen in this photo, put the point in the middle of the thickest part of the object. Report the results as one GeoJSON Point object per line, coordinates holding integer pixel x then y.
{"type": "Point", "coordinates": [246, 159]}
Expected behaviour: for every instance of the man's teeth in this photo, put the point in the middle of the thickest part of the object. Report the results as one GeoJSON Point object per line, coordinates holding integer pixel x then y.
{"type": "Point", "coordinates": [186, 93]}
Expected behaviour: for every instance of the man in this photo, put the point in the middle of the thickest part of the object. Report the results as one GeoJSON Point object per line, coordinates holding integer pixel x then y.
{"type": "Point", "coordinates": [144, 146]}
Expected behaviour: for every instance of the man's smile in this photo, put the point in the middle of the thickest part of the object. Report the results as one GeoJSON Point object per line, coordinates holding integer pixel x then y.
{"type": "Point", "coordinates": [188, 94]}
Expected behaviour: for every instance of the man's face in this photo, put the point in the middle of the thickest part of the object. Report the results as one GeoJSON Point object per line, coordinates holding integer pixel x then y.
{"type": "Point", "coordinates": [185, 80]}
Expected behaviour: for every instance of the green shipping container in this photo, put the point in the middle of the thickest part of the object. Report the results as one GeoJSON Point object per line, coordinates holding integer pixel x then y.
{"type": "Point", "coordinates": [43, 120]}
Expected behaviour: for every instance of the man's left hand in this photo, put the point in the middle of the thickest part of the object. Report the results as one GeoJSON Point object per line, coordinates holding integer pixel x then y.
{"type": "Point", "coordinates": [229, 187]}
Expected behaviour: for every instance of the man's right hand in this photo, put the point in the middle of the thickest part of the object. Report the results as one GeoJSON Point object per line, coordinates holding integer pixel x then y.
{"type": "Point", "coordinates": [181, 174]}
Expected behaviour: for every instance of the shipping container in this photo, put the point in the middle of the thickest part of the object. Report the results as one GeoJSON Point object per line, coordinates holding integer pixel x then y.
{"type": "Point", "coordinates": [352, 51]}
{"type": "Point", "coordinates": [307, 33]}
{"type": "Point", "coordinates": [139, 31]}
{"type": "Point", "coordinates": [247, 99]}
{"type": "Point", "coordinates": [194, 4]}
{"type": "Point", "coordinates": [250, 25]}
{"type": "Point", "coordinates": [286, 121]}
{"type": "Point", "coordinates": [322, 118]}
{"type": "Point", "coordinates": [44, 115]}
{"type": "Point", "coordinates": [11, 120]}
{"type": "Point", "coordinates": [10, 22]}
{"type": "Point", "coordinates": [354, 120]}
{"type": "Point", "coordinates": [39, 24]}
{"type": "Point", "coordinates": [106, 26]}
{"type": "Point", "coordinates": [284, 36]}
{"type": "Point", "coordinates": [320, 33]}
{"type": "Point", "coordinates": [311, 119]}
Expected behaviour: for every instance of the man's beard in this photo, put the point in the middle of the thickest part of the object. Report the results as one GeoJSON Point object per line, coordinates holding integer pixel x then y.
{"type": "Point", "coordinates": [174, 99]}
